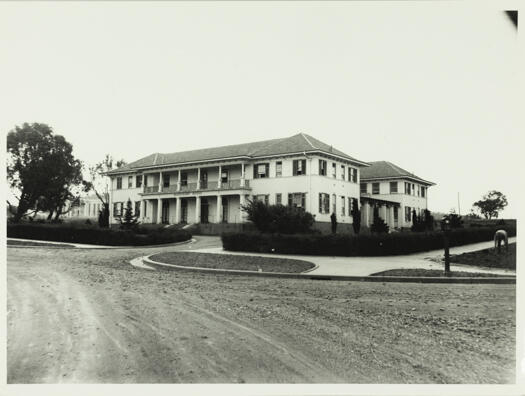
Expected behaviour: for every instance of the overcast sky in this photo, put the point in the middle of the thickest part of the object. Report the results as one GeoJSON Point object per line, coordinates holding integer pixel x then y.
{"type": "Point", "coordinates": [429, 87]}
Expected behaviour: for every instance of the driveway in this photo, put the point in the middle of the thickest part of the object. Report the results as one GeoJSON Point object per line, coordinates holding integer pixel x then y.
{"type": "Point", "coordinates": [365, 266]}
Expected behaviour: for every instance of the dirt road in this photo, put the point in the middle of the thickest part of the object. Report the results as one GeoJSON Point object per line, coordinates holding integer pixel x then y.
{"type": "Point", "coordinates": [81, 316]}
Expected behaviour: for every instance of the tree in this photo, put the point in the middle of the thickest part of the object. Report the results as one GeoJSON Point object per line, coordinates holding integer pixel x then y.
{"type": "Point", "coordinates": [98, 183]}
{"type": "Point", "coordinates": [422, 223]}
{"type": "Point", "coordinates": [379, 224]}
{"type": "Point", "coordinates": [356, 216]}
{"type": "Point", "coordinates": [128, 221]}
{"type": "Point", "coordinates": [333, 220]}
{"type": "Point", "coordinates": [41, 168]}
{"type": "Point", "coordinates": [491, 204]}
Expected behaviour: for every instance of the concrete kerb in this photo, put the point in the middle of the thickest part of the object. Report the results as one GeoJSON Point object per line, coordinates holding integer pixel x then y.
{"type": "Point", "coordinates": [72, 245]}
{"type": "Point", "coordinates": [306, 275]}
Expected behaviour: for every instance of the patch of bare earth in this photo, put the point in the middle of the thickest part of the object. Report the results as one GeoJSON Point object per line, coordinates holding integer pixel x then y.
{"type": "Point", "coordinates": [89, 316]}
{"type": "Point", "coordinates": [435, 273]}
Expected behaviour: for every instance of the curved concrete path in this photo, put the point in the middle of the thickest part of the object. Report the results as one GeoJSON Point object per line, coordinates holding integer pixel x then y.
{"type": "Point", "coordinates": [365, 266]}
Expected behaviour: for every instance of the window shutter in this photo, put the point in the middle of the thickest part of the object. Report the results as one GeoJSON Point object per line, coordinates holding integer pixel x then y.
{"type": "Point", "coordinates": [304, 166]}
{"type": "Point", "coordinates": [303, 201]}
{"type": "Point", "coordinates": [295, 167]}
{"type": "Point", "coordinates": [267, 170]}
{"type": "Point", "coordinates": [255, 171]}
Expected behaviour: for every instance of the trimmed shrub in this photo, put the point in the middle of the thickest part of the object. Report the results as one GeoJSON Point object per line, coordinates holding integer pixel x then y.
{"type": "Point", "coordinates": [96, 236]}
{"type": "Point", "coordinates": [354, 245]}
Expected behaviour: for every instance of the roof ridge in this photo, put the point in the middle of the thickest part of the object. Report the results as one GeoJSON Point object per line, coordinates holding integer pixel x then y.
{"type": "Point", "coordinates": [305, 136]}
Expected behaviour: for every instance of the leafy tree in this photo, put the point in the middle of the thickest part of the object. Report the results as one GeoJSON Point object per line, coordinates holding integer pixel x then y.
{"type": "Point", "coordinates": [278, 218]}
{"type": "Point", "coordinates": [491, 204]}
{"type": "Point", "coordinates": [356, 216]}
{"type": "Point", "coordinates": [379, 224]}
{"type": "Point", "coordinates": [333, 221]}
{"type": "Point", "coordinates": [98, 184]}
{"type": "Point", "coordinates": [423, 222]}
{"type": "Point", "coordinates": [473, 215]}
{"type": "Point", "coordinates": [128, 220]}
{"type": "Point", "coordinates": [41, 168]}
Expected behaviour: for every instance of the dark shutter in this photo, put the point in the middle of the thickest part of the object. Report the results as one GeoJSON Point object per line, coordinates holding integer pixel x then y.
{"type": "Point", "coordinates": [294, 167]}
{"type": "Point", "coordinates": [290, 202]}
{"type": "Point", "coordinates": [304, 167]}
{"type": "Point", "coordinates": [255, 175]}
{"type": "Point", "coordinates": [320, 203]}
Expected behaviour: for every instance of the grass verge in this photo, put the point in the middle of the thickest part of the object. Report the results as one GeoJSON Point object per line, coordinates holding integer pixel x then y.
{"type": "Point", "coordinates": [488, 258]}
{"type": "Point", "coordinates": [233, 262]}
{"type": "Point", "coordinates": [419, 272]}
{"type": "Point", "coordinates": [43, 244]}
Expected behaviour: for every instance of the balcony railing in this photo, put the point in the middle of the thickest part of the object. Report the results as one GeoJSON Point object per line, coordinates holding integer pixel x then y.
{"type": "Point", "coordinates": [234, 184]}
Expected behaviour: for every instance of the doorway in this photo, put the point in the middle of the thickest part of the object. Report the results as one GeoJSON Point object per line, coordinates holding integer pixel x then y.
{"type": "Point", "coordinates": [165, 212]}
{"type": "Point", "coordinates": [204, 210]}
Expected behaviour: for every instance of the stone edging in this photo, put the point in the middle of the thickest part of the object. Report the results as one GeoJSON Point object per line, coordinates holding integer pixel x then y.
{"type": "Point", "coordinates": [306, 275]}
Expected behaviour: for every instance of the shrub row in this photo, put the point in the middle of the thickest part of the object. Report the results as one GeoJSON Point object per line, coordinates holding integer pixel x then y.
{"type": "Point", "coordinates": [355, 245]}
{"type": "Point", "coordinates": [95, 235]}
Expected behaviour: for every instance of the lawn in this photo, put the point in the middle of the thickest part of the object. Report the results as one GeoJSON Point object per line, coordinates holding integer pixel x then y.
{"type": "Point", "coordinates": [11, 242]}
{"type": "Point", "coordinates": [233, 262]}
{"type": "Point", "coordinates": [488, 258]}
{"type": "Point", "coordinates": [433, 273]}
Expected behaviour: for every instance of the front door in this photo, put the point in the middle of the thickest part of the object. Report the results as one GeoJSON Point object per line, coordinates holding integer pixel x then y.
{"type": "Point", "coordinates": [224, 209]}
{"type": "Point", "coordinates": [183, 211]}
{"type": "Point", "coordinates": [165, 212]}
{"type": "Point", "coordinates": [204, 210]}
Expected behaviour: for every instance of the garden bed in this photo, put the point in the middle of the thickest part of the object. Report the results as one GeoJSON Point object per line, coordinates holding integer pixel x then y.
{"type": "Point", "coordinates": [233, 262]}
{"type": "Point", "coordinates": [420, 272]}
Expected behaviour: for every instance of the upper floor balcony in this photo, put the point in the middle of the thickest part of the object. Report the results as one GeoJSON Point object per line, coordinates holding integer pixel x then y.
{"type": "Point", "coordinates": [203, 185]}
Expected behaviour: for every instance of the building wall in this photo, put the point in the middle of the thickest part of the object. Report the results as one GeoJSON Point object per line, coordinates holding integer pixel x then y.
{"type": "Point", "coordinates": [413, 201]}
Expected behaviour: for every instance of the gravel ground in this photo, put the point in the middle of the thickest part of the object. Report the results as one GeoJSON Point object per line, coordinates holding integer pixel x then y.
{"type": "Point", "coordinates": [488, 258]}
{"type": "Point", "coordinates": [233, 262]}
{"type": "Point", "coordinates": [80, 316]}
{"type": "Point", "coordinates": [433, 273]}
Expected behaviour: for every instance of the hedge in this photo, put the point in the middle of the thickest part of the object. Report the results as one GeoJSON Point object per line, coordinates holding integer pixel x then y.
{"type": "Point", "coordinates": [355, 245]}
{"type": "Point", "coordinates": [95, 235]}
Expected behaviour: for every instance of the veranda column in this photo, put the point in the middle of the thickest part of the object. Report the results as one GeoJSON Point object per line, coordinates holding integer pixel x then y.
{"type": "Point", "coordinates": [242, 202]}
{"type": "Point", "coordinates": [219, 208]}
{"type": "Point", "coordinates": [159, 210]}
{"type": "Point", "coordinates": [384, 216]}
{"type": "Point", "coordinates": [366, 209]}
{"type": "Point", "coordinates": [197, 209]}
{"type": "Point", "coordinates": [198, 179]}
{"type": "Point", "coordinates": [143, 182]}
{"type": "Point", "coordinates": [142, 204]}
{"type": "Point", "coordinates": [220, 175]}
{"type": "Point", "coordinates": [178, 184]}
{"type": "Point", "coordinates": [160, 182]}
{"type": "Point", "coordinates": [242, 175]}
{"type": "Point", "coordinates": [392, 219]}
{"type": "Point", "coordinates": [177, 211]}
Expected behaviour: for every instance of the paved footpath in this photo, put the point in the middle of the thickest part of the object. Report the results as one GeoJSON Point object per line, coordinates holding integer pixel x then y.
{"type": "Point", "coordinates": [365, 266]}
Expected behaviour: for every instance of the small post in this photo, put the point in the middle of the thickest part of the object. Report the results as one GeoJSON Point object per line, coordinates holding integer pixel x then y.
{"type": "Point", "coordinates": [446, 243]}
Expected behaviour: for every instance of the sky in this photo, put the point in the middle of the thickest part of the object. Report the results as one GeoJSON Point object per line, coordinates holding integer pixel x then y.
{"type": "Point", "coordinates": [432, 88]}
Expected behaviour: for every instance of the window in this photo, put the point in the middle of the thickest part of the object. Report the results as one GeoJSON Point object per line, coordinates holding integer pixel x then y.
{"type": "Point", "coordinates": [334, 204]}
{"type": "Point", "coordinates": [224, 176]}
{"type": "Point", "coordinates": [413, 189]}
{"type": "Point", "coordinates": [166, 181]}
{"type": "Point", "coordinates": [363, 188]}
{"type": "Point", "coordinates": [138, 181]}
{"type": "Point", "coordinates": [334, 170]}
{"type": "Point", "coordinates": [423, 191]}
{"type": "Point", "coordinates": [261, 171]}
{"type": "Point", "coordinates": [278, 169]}
{"type": "Point", "coordinates": [130, 181]}
{"type": "Point", "coordinates": [119, 183]}
{"type": "Point", "coordinates": [355, 204]}
{"type": "Point", "coordinates": [278, 199]}
{"type": "Point", "coordinates": [407, 213]}
{"type": "Point", "coordinates": [324, 203]}
{"type": "Point", "coordinates": [322, 167]}
{"type": "Point", "coordinates": [407, 188]}
{"type": "Point", "coordinates": [299, 167]}
{"type": "Point", "coordinates": [297, 200]}
{"type": "Point", "coordinates": [183, 179]}
{"type": "Point", "coordinates": [117, 208]}
{"type": "Point", "coordinates": [343, 206]}
{"type": "Point", "coordinates": [396, 214]}
{"type": "Point", "coordinates": [375, 188]}
{"type": "Point", "coordinates": [343, 172]}
{"type": "Point", "coordinates": [262, 197]}
{"type": "Point", "coordinates": [137, 208]}
{"type": "Point", "coordinates": [353, 175]}
{"type": "Point", "coordinates": [393, 187]}
{"type": "Point", "coordinates": [418, 191]}
{"type": "Point", "coordinates": [145, 180]}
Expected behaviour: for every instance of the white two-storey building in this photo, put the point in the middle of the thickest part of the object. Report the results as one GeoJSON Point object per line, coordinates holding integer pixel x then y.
{"type": "Point", "coordinates": [395, 191]}
{"type": "Point", "coordinates": [210, 186]}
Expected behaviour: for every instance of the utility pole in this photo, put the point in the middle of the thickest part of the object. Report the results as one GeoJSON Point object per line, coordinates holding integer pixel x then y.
{"type": "Point", "coordinates": [459, 207]}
